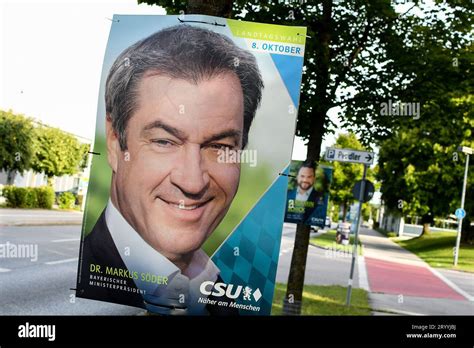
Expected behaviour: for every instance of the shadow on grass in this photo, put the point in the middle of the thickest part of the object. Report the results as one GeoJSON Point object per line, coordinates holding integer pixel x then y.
{"type": "Point", "coordinates": [325, 300]}
{"type": "Point", "coordinates": [437, 250]}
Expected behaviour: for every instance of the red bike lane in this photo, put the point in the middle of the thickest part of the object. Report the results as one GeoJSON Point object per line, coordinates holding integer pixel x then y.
{"type": "Point", "coordinates": [409, 280]}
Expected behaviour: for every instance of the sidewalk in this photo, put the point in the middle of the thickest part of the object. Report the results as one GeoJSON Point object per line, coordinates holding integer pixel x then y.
{"type": "Point", "coordinates": [402, 283]}
{"type": "Point", "coordinates": [27, 217]}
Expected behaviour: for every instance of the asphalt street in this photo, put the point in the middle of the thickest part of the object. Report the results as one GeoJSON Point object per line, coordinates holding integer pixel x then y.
{"type": "Point", "coordinates": [21, 217]}
{"type": "Point", "coordinates": [323, 267]}
{"type": "Point", "coordinates": [43, 286]}
{"type": "Point", "coordinates": [41, 283]}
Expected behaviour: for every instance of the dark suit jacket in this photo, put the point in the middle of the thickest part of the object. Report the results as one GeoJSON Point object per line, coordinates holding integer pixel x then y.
{"type": "Point", "coordinates": [314, 196]}
{"type": "Point", "coordinates": [99, 248]}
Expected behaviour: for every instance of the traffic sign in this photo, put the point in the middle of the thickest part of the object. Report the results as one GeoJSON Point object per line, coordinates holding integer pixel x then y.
{"type": "Point", "coordinates": [348, 155]}
{"type": "Point", "coordinates": [368, 192]}
{"type": "Point", "coordinates": [460, 213]}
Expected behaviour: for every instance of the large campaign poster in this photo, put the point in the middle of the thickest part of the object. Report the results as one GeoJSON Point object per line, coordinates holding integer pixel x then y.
{"type": "Point", "coordinates": [308, 193]}
{"type": "Point", "coordinates": [194, 132]}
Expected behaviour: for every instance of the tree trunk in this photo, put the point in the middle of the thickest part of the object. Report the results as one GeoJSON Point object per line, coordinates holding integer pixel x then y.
{"type": "Point", "coordinates": [426, 229]}
{"type": "Point", "coordinates": [426, 220]}
{"type": "Point", "coordinates": [294, 291]}
{"type": "Point", "coordinates": [50, 181]}
{"type": "Point", "coordinates": [344, 211]}
{"type": "Point", "coordinates": [11, 174]}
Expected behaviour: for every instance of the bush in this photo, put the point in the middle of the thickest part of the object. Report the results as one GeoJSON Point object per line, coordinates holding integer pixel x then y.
{"type": "Point", "coordinates": [15, 196]}
{"type": "Point", "coordinates": [391, 234]}
{"type": "Point", "coordinates": [66, 200]}
{"type": "Point", "coordinates": [45, 197]}
{"type": "Point", "coordinates": [29, 197]}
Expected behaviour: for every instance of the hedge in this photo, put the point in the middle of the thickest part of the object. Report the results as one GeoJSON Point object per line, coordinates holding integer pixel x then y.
{"type": "Point", "coordinates": [66, 200]}
{"type": "Point", "coordinates": [29, 197]}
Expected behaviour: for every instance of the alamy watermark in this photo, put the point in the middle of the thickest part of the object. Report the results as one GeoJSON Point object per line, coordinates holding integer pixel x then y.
{"type": "Point", "coordinates": [400, 109]}
{"type": "Point", "coordinates": [237, 156]}
{"type": "Point", "coordinates": [20, 251]}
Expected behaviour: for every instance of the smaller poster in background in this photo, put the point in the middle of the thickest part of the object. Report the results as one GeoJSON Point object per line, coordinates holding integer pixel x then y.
{"type": "Point", "coordinates": [308, 193]}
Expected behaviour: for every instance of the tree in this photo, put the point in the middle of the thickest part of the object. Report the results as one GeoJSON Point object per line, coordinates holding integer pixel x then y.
{"type": "Point", "coordinates": [426, 180]}
{"type": "Point", "coordinates": [16, 144]}
{"type": "Point", "coordinates": [359, 55]}
{"type": "Point", "coordinates": [57, 153]}
{"type": "Point", "coordinates": [420, 169]}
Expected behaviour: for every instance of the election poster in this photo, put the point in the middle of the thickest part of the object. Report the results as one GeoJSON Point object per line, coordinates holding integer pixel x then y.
{"type": "Point", "coordinates": [308, 193]}
{"type": "Point", "coordinates": [194, 132]}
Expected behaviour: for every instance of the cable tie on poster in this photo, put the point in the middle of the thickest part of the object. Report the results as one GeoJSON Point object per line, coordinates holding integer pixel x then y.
{"type": "Point", "coordinates": [307, 36]}
{"type": "Point", "coordinates": [291, 176]}
{"type": "Point", "coordinates": [93, 153]}
{"type": "Point", "coordinates": [215, 23]}
{"type": "Point", "coordinates": [113, 20]}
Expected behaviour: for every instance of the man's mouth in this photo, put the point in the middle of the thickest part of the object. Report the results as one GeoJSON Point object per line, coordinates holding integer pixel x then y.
{"type": "Point", "coordinates": [186, 205]}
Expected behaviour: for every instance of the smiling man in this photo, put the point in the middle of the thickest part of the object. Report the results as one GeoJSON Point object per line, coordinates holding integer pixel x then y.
{"type": "Point", "coordinates": [174, 101]}
{"type": "Point", "coordinates": [304, 199]}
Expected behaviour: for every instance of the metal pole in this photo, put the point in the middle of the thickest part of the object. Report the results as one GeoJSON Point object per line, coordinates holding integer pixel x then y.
{"type": "Point", "coordinates": [356, 237]}
{"type": "Point", "coordinates": [458, 237]}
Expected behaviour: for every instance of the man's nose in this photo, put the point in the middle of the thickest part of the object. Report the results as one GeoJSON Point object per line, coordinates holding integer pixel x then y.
{"type": "Point", "coordinates": [190, 173]}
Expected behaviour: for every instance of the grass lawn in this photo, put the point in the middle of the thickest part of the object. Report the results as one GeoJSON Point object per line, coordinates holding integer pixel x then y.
{"type": "Point", "coordinates": [325, 300]}
{"type": "Point", "coordinates": [328, 240]}
{"type": "Point", "coordinates": [437, 250]}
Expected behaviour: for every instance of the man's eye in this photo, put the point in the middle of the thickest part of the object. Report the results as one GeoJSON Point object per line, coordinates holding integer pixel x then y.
{"type": "Point", "coordinates": [221, 146]}
{"type": "Point", "coordinates": [162, 142]}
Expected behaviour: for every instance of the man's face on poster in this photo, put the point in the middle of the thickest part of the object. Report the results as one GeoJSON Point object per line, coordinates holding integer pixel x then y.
{"type": "Point", "coordinates": [168, 183]}
{"type": "Point", "coordinates": [305, 178]}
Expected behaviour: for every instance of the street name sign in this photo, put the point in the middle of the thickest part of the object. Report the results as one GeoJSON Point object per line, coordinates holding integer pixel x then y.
{"type": "Point", "coordinates": [348, 155]}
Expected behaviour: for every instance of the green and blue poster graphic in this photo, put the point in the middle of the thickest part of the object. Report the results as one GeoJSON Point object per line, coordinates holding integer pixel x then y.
{"type": "Point", "coordinates": [195, 125]}
{"type": "Point", "coordinates": [308, 193]}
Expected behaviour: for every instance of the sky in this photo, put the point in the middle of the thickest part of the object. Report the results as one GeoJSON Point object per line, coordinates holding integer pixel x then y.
{"type": "Point", "coordinates": [51, 55]}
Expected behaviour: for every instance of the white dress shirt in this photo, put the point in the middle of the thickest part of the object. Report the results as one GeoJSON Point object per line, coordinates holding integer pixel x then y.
{"type": "Point", "coordinates": [303, 196]}
{"type": "Point", "coordinates": [139, 256]}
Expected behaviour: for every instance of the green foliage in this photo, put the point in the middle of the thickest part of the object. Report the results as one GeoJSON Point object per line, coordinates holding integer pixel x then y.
{"type": "Point", "coordinates": [57, 153]}
{"type": "Point", "coordinates": [43, 149]}
{"type": "Point", "coordinates": [15, 196]}
{"type": "Point", "coordinates": [66, 200]}
{"type": "Point", "coordinates": [29, 197]}
{"type": "Point", "coordinates": [16, 142]}
{"type": "Point", "coordinates": [419, 166]}
{"type": "Point", "coordinates": [45, 197]}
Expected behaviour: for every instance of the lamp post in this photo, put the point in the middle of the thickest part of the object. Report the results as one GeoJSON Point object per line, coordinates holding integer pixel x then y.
{"type": "Point", "coordinates": [467, 151]}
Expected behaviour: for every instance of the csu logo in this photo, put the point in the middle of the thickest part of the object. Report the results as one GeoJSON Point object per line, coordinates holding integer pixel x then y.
{"type": "Point", "coordinates": [229, 290]}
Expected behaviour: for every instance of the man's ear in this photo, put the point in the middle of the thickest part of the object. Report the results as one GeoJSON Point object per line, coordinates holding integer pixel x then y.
{"type": "Point", "coordinates": [113, 145]}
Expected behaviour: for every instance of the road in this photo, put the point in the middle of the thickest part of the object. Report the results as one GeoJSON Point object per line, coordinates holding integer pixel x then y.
{"type": "Point", "coordinates": [322, 267]}
{"type": "Point", "coordinates": [42, 286]}
{"type": "Point", "coordinates": [20, 217]}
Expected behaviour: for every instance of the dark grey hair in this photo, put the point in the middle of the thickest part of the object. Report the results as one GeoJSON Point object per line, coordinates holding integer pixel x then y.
{"type": "Point", "coordinates": [184, 52]}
